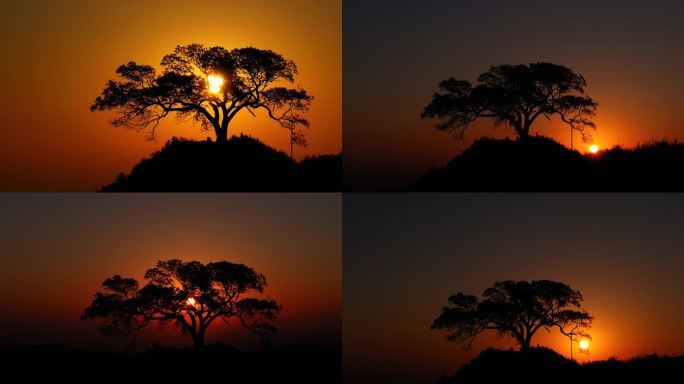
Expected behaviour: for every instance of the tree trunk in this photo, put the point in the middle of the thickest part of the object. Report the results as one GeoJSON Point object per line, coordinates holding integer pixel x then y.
{"type": "Point", "coordinates": [221, 135]}
{"type": "Point", "coordinates": [525, 344]}
{"type": "Point", "coordinates": [527, 341]}
{"type": "Point", "coordinates": [523, 134]}
{"type": "Point", "coordinates": [521, 340]}
{"type": "Point", "coordinates": [198, 341]}
{"type": "Point", "coordinates": [521, 131]}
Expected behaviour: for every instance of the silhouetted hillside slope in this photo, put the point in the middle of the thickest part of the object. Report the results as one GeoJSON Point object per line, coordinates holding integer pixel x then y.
{"type": "Point", "coordinates": [218, 363]}
{"type": "Point", "coordinates": [241, 164]}
{"type": "Point", "coordinates": [543, 365]}
{"type": "Point", "coordinates": [542, 164]}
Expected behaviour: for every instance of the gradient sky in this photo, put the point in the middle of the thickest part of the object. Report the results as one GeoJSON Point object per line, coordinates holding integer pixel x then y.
{"type": "Point", "coordinates": [56, 249]}
{"type": "Point", "coordinates": [58, 55]}
{"type": "Point", "coordinates": [397, 52]}
{"type": "Point", "coordinates": [405, 254]}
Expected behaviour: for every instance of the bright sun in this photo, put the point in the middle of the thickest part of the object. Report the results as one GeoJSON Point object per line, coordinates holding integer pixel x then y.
{"type": "Point", "coordinates": [583, 344]}
{"type": "Point", "coordinates": [593, 148]}
{"type": "Point", "coordinates": [215, 83]}
{"type": "Point", "coordinates": [192, 301]}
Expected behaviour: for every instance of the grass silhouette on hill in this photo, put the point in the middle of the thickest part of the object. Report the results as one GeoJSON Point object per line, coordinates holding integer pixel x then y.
{"type": "Point", "coordinates": [240, 164]}
{"type": "Point", "coordinates": [217, 363]}
{"type": "Point", "coordinates": [543, 365]}
{"type": "Point", "coordinates": [542, 164]}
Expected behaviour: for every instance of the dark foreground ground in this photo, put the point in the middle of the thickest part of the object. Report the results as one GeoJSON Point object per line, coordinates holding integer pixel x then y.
{"type": "Point", "coordinates": [217, 364]}
{"type": "Point", "coordinates": [543, 365]}
{"type": "Point", "coordinates": [541, 164]}
{"type": "Point", "coordinates": [243, 164]}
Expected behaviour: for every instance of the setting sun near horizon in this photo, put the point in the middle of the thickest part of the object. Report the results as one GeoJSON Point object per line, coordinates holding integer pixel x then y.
{"type": "Point", "coordinates": [628, 274]}
{"type": "Point", "coordinates": [395, 58]}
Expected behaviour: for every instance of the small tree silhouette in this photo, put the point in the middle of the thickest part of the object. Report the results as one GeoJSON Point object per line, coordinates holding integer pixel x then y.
{"type": "Point", "coordinates": [514, 95]}
{"type": "Point", "coordinates": [515, 308]}
{"type": "Point", "coordinates": [210, 86]}
{"type": "Point", "coordinates": [574, 326]}
{"type": "Point", "coordinates": [188, 295]}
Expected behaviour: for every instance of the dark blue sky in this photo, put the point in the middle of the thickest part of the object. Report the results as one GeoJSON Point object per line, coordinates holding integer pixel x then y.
{"type": "Point", "coordinates": [396, 52]}
{"type": "Point", "coordinates": [404, 254]}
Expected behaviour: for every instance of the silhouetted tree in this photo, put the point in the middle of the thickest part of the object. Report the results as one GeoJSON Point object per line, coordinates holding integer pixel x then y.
{"type": "Point", "coordinates": [515, 95]}
{"type": "Point", "coordinates": [574, 326]}
{"type": "Point", "coordinates": [515, 308]}
{"type": "Point", "coordinates": [296, 138]}
{"type": "Point", "coordinates": [208, 85]}
{"type": "Point", "coordinates": [188, 295]}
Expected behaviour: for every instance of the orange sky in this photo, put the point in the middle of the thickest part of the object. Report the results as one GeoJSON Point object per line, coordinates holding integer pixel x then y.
{"type": "Point", "coordinates": [56, 249]}
{"type": "Point", "coordinates": [405, 254]}
{"type": "Point", "coordinates": [58, 56]}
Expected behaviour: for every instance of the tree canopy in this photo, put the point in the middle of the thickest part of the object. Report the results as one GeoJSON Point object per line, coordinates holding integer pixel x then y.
{"type": "Point", "coordinates": [209, 86]}
{"type": "Point", "coordinates": [516, 96]}
{"type": "Point", "coordinates": [517, 309]}
{"type": "Point", "coordinates": [187, 295]}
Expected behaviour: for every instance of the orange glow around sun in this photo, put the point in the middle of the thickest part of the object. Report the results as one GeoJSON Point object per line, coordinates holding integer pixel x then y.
{"type": "Point", "coordinates": [584, 345]}
{"type": "Point", "coordinates": [78, 150]}
{"type": "Point", "coordinates": [215, 83]}
{"type": "Point", "coordinates": [593, 148]}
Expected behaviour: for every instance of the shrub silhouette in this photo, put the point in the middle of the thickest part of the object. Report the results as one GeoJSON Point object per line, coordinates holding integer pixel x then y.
{"type": "Point", "coordinates": [241, 164]}
{"type": "Point", "coordinates": [542, 164]}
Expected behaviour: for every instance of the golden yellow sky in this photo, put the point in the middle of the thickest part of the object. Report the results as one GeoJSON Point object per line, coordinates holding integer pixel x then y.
{"type": "Point", "coordinates": [58, 56]}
